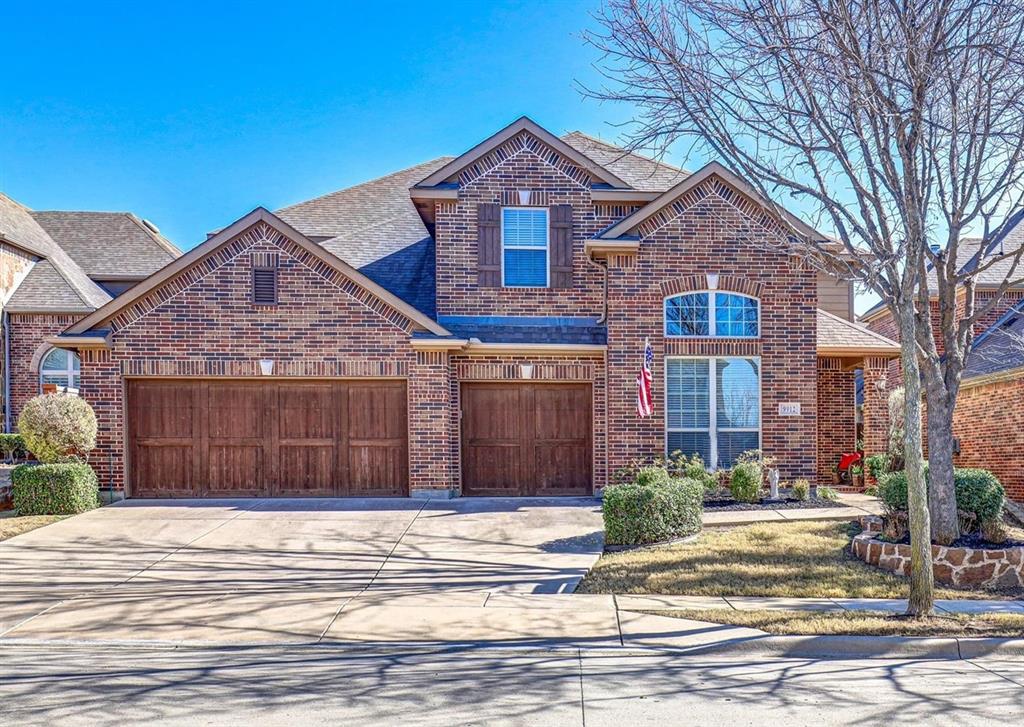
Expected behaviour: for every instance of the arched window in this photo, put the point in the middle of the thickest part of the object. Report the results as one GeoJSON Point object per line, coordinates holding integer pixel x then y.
{"type": "Point", "coordinates": [712, 314]}
{"type": "Point", "coordinates": [60, 367]}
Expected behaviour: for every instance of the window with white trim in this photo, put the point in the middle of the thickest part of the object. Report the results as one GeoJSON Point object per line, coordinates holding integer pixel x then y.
{"type": "Point", "coordinates": [62, 368]}
{"type": "Point", "coordinates": [524, 247]}
{"type": "Point", "coordinates": [712, 314]}
{"type": "Point", "coordinates": [713, 408]}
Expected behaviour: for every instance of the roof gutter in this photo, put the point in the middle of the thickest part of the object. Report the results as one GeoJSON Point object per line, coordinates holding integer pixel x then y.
{"type": "Point", "coordinates": [76, 342]}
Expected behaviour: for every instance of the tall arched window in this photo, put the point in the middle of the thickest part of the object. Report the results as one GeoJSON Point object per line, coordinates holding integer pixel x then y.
{"type": "Point", "coordinates": [60, 367]}
{"type": "Point", "coordinates": [712, 314]}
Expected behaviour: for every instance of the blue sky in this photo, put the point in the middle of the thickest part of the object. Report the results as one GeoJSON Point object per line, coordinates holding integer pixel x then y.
{"type": "Point", "coordinates": [192, 114]}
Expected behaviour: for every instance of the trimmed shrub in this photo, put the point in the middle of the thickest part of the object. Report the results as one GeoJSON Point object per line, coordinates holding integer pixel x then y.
{"type": "Point", "coordinates": [877, 465]}
{"type": "Point", "coordinates": [639, 513]}
{"type": "Point", "coordinates": [978, 493]}
{"type": "Point", "coordinates": [695, 469]}
{"type": "Point", "coordinates": [745, 482]}
{"type": "Point", "coordinates": [652, 475]}
{"type": "Point", "coordinates": [801, 489]}
{"type": "Point", "coordinates": [827, 493]}
{"type": "Point", "coordinates": [12, 447]}
{"type": "Point", "coordinates": [58, 427]}
{"type": "Point", "coordinates": [65, 488]}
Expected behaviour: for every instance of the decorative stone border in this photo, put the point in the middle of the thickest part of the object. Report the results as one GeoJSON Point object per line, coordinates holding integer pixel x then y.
{"type": "Point", "coordinates": [995, 567]}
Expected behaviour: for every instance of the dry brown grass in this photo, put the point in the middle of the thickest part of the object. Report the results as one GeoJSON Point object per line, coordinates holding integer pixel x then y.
{"type": "Point", "coordinates": [862, 623]}
{"type": "Point", "coordinates": [794, 559]}
{"type": "Point", "coordinates": [11, 525]}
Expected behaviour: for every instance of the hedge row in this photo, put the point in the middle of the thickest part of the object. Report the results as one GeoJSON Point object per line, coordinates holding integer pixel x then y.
{"type": "Point", "coordinates": [54, 489]}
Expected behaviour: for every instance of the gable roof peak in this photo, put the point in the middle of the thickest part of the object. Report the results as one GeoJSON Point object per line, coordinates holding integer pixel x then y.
{"type": "Point", "coordinates": [523, 124]}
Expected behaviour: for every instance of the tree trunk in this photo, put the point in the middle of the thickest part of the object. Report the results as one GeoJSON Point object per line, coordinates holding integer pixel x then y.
{"type": "Point", "coordinates": [941, 493]}
{"type": "Point", "coordinates": [922, 585]}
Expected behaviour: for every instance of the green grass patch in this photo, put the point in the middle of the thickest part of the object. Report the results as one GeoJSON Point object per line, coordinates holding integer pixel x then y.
{"type": "Point", "coordinates": [794, 559]}
{"type": "Point", "coordinates": [864, 623]}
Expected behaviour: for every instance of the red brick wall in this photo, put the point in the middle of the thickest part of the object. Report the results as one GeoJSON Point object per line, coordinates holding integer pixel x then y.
{"type": "Point", "coordinates": [518, 166]}
{"type": "Point", "coordinates": [203, 324]}
{"type": "Point", "coordinates": [28, 333]}
{"type": "Point", "coordinates": [713, 230]}
{"type": "Point", "coordinates": [989, 421]}
{"type": "Point", "coordinates": [837, 430]}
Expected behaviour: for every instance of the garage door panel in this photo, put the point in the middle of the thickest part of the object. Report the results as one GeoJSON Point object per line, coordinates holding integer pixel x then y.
{"type": "Point", "coordinates": [306, 471]}
{"type": "Point", "coordinates": [376, 470]}
{"type": "Point", "coordinates": [162, 470]}
{"type": "Point", "coordinates": [259, 438]}
{"type": "Point", "coordinates": [235, 470]}
{"type": "Point", "coordinates": [526, 439]}
{"type": "Point", "coordinates": [307, 411]}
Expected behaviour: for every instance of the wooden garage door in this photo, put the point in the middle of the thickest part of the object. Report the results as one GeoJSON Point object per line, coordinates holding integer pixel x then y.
{"type": "Point", "coordinates": [526, 439]}
{"type": "Point", "coordinates": [214, 438]}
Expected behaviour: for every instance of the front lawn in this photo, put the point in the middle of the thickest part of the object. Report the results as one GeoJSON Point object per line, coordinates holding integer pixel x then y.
{"type": "Point", "coordinates": [792, 559]}
{"type": "Point", "coordinates": [11, 525]}
{"type": "Point", "coordinates": [862, 623]}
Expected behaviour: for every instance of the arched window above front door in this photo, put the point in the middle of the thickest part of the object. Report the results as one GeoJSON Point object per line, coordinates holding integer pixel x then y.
{"type": "Point", "coordinates": [62, 368]}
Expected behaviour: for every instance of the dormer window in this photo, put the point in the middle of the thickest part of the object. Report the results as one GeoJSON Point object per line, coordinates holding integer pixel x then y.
{"type": "Point", "coordinates": [712, 314]}
{"type": "Point", "coordinates": [524, 247]}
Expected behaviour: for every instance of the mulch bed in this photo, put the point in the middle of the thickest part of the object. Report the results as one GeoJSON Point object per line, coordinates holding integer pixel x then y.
{"type": "Point", "coordinates": [727, 503]}
{"type": "Point", "coordinates": [974, 540]}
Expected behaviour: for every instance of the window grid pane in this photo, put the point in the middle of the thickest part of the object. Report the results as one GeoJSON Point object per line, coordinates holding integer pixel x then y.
{"type": "Point", "coordinates": [524, 227]}
{"type": "Point", "coordinates": [738, 405]}
{"type": "Point", "coordinates": [687, 315]}
{"type": "Point", "coordinates": [735, 315]}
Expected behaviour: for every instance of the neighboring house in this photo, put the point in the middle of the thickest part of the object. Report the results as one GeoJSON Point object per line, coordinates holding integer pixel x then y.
{"type": "Point", "coordinates": [475, 325]}
{"type": "Point", "coordinates": [988, 422]}
{"type": "Point", "coordinates": [55, 268]}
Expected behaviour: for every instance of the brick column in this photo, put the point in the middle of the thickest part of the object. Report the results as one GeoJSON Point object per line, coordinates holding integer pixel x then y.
{"type": "Point", "coordinates": [430, 461]}
{"type": "Point", "coordinates": [875, 411]}
{"type": "Point", "coordinates": [101, 387]}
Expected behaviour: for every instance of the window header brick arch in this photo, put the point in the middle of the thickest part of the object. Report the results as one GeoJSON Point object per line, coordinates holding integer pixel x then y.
{"type": "Point", "coordinates": [711, 281]}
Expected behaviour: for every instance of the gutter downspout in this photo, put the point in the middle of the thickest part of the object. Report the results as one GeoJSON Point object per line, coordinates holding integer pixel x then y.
{"type": "Point", "coordinates": [603, 318]}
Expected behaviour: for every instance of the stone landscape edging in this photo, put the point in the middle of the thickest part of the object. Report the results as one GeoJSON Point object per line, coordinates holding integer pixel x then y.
{"type": "Point", "coordinates": [952, 566]}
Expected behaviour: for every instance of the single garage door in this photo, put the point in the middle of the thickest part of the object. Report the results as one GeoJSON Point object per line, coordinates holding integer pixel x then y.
{"type": "Point", "coordinates": [239, 438]}
{"type": "Point", "coordinates": [526, 439]}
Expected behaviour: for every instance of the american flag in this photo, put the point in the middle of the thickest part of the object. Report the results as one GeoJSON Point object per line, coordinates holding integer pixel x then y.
{"type": "Point", "coordinates": [644, 401]}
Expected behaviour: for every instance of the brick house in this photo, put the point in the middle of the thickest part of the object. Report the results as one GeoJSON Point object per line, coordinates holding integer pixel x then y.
{"type": "Point", "coordinates": [987, 421]}
{"type": "Point", "coordinates": [55, 268]}
{"type": "Point", "coordinates": [475, 325]}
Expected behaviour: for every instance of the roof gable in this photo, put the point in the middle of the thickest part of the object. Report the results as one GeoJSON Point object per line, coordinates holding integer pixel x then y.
{"type": "Point", "coordinates": [523, 124]}
{"type": "Point", "coordinates": [713, 169]}
{"type": "Point", "coordinates": [210, 247]}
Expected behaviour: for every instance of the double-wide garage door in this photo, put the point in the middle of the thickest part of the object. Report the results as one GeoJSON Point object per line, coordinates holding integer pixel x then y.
{"type": "Point", "coordinates": [267, 438]}
{"type": "Point", "coordinates": [526, 439]}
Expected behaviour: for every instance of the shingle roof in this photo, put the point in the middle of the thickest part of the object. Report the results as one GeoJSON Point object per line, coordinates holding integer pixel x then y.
{"type": "Point", "coordinates": [65, 282]}
{"type": "Point", "coordinates": [515, 329]}
{"type": "Point", "coordinates": [640, 172]}
{"type": "Point", "coordinates": [108, 244]}
{"type": "Point", "coordinates": [1000, 348]}
{"type": "Point", "coordinates": [839, 334]}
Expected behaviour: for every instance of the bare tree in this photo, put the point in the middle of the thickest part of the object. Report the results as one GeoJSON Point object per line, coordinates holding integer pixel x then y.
{"type": "Point", "coordinates": [895, 125]}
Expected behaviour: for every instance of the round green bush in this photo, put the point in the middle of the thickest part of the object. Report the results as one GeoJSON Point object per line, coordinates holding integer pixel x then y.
{"type": "Point", "coordinates": [977, 492]}
{"type": "Point", "coordinates": [878, 465]}
{"type": "Point", "coordinates": [745, 482]}
{"type": "Point", "coordinates": [637, 513]}
{"type": "Point", "coordinates": [58, 427]}
{"type": "Point", "coordinates": [66, 488]}
{"type": "Point", "coordinates": [652, 475]}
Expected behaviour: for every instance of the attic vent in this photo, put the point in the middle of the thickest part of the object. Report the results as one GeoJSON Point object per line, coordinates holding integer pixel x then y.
{"type": "Point", "coordinates": [264, 279]}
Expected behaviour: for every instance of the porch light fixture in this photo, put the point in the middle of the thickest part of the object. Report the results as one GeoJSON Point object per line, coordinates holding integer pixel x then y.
{"type": "Point", "coordinates": [526, 371]}
{"type": "Point", "coordinates": [266, 366]}
{"type": "Point", "coordinates": [881, 384]}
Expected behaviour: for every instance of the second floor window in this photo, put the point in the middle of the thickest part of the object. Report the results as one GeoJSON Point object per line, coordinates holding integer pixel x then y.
{"type": "Point", "coordinates": [524, 247]}
{"type": "Point", "coordinates": [710, 314]}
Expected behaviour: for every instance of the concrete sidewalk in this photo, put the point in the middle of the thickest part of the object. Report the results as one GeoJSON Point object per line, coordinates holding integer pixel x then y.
{"type": "Point", "coordinates": [628, 602]}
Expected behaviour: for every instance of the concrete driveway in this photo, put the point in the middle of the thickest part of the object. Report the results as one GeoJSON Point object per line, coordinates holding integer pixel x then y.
{"type": "Point", "coordinates": [307, 571]}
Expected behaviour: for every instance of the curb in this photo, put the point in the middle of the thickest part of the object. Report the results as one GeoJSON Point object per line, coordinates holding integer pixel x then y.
{"type": "Point", "coordinates": [793, 647]}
